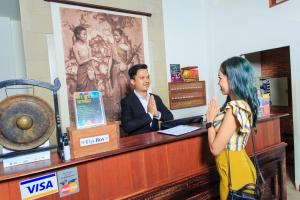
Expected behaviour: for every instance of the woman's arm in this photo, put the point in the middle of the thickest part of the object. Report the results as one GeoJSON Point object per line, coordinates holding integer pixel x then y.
{"type": "Point", "coordinates": [217, 142]}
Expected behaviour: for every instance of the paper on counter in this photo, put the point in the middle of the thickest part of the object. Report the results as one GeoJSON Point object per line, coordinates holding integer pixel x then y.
{"type": "Point", "coordinates": [179, 130]}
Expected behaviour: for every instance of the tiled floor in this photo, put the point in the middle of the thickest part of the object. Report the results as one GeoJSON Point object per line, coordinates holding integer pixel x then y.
{"type": "Point", "coordinates": [292, 193]}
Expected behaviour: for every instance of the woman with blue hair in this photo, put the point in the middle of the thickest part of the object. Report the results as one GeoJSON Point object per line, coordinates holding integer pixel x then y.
{"type": "Point", "coordinates": [230, 126]}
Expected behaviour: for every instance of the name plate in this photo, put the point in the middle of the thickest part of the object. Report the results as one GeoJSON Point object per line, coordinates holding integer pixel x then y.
{"type": "Point", "coordinates": [94, 140]}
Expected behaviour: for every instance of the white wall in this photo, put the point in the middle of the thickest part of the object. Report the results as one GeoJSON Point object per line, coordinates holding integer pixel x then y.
{"type": "Point", "coordinates": [11, 52]}
{"type": "Point", "coordinates": [186, 42]}
{"type": "Point", "coordinates": [5, 48]}
{"type": "Point", "coordinates": [221, 29]}
{"type": "Point", "coordinates": [10, 9]}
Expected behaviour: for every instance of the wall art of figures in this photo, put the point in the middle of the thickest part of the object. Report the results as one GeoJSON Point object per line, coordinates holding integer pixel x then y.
{"type": "Point", "coordinates": [99, 48]}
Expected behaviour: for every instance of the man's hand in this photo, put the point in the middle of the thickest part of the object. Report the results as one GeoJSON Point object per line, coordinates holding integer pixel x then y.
{"type": "Point", "coordinates": [151, 108]}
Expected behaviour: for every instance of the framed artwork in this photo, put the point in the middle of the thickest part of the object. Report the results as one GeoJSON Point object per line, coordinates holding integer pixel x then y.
{"type": "Point", "coordinates": [94, 48]}
{"type": "Point", "coordinates": [273, 3]}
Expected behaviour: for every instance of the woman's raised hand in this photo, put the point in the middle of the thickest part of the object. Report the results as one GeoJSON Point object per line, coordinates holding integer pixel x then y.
{"type": "Point", "coordinates": [213, 110]}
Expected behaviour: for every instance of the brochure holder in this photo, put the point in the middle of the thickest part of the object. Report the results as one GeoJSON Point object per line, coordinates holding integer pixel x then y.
{"type": "Point", "coordinates": [85, 142]}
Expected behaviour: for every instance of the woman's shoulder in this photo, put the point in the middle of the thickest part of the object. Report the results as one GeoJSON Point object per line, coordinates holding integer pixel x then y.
{"type": "Point", "coordinates": [242, 111]}
{"type": "Point", "coordinates": [240, 104]}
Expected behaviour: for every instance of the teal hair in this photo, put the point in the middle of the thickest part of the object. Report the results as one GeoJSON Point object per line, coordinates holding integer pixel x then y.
{"type": "Point", "coordinates": [241, 80]}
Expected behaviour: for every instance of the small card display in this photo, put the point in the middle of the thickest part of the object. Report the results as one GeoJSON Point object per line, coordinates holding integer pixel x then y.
{"type": "Point", "coordinates": [89, 109]}
{"type": "Point", "coordinates": [68, 181]}
{"type": "Point", "coordinates": [175, 73]}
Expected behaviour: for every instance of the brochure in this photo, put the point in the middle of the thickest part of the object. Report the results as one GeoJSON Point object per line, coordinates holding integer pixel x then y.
{"type": "Point", "coordinates": [89, 109]}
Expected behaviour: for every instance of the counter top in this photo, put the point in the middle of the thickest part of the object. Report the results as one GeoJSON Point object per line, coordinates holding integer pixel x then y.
{"type": "Point", "coordinates": [127, 144]}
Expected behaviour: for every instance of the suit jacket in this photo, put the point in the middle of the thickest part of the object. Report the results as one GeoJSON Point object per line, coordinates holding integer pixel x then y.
{"type": "Point", "coordinates": [136, 120]}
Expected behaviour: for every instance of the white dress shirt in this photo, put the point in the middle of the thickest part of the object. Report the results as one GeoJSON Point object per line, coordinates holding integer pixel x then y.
{"type": "Point", "coordinates": [145, 102]}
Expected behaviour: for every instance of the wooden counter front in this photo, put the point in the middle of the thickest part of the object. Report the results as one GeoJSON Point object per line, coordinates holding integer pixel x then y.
{"type": "Point", "coordinates": [154, 165]}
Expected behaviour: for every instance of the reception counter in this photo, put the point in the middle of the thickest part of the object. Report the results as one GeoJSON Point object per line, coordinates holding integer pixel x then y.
{"type": "Point", "coordinates": [156, 166]}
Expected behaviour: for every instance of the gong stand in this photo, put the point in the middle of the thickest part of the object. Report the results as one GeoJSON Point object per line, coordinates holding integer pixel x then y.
{"type": "Point", "coordinates": [54, 88]}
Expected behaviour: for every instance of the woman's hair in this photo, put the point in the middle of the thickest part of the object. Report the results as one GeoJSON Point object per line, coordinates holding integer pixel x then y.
{"type": "Point", "coordinates": [242, 83]}
{"type": "Point", "coordinates": [77, 30]}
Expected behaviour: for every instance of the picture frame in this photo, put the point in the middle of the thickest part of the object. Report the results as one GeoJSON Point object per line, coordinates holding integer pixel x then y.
{"type": "Point", "coordinates": [273, 3]}
{"type": "Point", "coordinates": [104, 29]}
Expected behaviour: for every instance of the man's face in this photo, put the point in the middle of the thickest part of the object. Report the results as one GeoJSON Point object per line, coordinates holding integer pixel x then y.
{"type": "Point", "coordinates": [141, 81]}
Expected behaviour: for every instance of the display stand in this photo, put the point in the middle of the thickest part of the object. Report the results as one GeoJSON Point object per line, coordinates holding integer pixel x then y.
{"type": "Point", "coordinates": [27, 158]}
{"type": "Point", "coordinates": [54, 88]}
{"type": "Point", "coordinates": [94, 140]}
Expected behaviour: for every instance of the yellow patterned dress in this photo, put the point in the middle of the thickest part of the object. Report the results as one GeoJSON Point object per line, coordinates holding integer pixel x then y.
{"type": "Point", "coordinates": [241, 167]}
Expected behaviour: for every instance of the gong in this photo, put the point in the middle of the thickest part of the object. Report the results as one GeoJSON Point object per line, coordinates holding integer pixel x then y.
{"type": "Point", "coordinates": [26, 122]}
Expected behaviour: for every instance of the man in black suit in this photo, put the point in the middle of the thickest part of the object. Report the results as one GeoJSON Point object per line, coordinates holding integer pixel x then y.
{"type": "Point", "coordinates": [142, 110]}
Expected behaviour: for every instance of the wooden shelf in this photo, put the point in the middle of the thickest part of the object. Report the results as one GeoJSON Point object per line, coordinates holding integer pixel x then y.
{"type": "Point", "coordinates": [187, 94]}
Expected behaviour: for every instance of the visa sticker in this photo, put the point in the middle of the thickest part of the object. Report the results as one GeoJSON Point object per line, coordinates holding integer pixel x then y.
{"type": "Point", "coordinates": [38, 187]}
